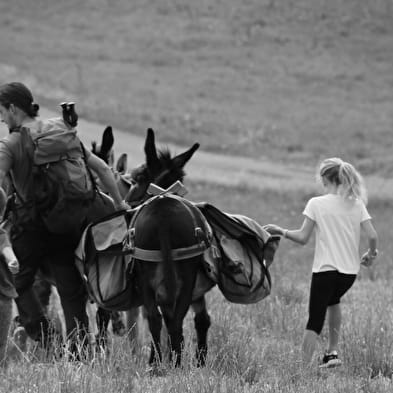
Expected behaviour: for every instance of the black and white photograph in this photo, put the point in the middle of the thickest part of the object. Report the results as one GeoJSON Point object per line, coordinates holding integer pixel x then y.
{"type": "Point", "coordinates": [196, 196]}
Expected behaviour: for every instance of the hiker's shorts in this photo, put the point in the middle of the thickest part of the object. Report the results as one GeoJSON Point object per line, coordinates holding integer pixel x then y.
{"type": "Point", "coordinates": [327, 288]}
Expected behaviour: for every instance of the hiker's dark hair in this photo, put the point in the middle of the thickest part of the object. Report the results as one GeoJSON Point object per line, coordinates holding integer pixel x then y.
{"type": "Point", "coordinates": [18, 94]}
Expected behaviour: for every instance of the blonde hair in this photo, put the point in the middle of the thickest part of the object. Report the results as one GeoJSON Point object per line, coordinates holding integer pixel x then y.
{"type": "Point", "coordinates": [349, 181]}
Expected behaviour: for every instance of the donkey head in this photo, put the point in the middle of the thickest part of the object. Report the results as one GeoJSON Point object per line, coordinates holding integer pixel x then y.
{"type": "Point", "coordinates": [160, 168]}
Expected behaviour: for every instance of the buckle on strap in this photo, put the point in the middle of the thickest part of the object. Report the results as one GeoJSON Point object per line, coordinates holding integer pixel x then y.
{"type": "Point", "coordinates": [201, 237]}
{"type": "Point", "coordinates": [129, 240]}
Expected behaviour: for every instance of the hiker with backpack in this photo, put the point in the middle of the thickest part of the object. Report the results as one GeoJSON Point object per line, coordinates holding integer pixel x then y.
{"type": "Point", "coordinates": [337, 217]}
{"type": "Point", "coordinates": [55, 198]}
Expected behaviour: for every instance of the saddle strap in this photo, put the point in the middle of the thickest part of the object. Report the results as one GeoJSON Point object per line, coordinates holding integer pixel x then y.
{"type": "Point", "coordinates": [177, 253]}
{"type": "Point", "coordinates": [203, 240]}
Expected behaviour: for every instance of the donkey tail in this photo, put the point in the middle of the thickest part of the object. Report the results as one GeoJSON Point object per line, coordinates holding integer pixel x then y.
{"type": "Point", "coordinates": [169, 267]}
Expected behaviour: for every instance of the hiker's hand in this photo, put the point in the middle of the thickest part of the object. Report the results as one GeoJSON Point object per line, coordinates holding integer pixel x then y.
{"type": "Point", "coordinates": [13, 266]}
{"type": "Point", "coordinates": [273, 229]}
{"type": "Point", "coordinates": [11, 260]}
{"type": "Point", "coordinates": [123, 205]}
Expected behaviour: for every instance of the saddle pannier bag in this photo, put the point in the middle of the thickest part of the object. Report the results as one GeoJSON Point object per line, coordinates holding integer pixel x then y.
{"type": "Point", "coordinates": [240, 255]}
{"type": "Point", "coordinates": [106, 266]}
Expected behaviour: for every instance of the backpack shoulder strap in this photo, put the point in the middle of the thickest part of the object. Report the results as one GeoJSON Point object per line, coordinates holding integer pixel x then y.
{"type": "Point", "coordinates": [92, 178]}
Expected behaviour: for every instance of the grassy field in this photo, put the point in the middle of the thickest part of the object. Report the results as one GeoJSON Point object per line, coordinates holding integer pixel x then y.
{"type": "Point", "coordinates": [291, 81]}
{"type": "Point", "coordinates": [252, 348]}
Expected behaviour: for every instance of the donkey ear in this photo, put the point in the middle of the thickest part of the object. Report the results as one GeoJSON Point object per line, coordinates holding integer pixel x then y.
{"type": "Point", "coordinates": [181, 159]}
{"type": "Point", "coordinates": [122, 165]}
{"type": "Point", "coordinates": [107, 141]}
{"type": "Point", "coordinates": [150, 149]}
{"type": "Point", "coordinates": [94, 147]}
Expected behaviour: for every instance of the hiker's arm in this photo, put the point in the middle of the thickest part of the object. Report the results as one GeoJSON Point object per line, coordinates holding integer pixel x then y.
{"type": "Point", "coordinates": [5, 244]}
{"type": "Point", "coordinates": [106, 177]}
{"type": "Point", "coordinates": [5, 166]}
{"type": "Point", "coordinates": [8, 252]}
{"type": "Point", "coordinates": [301, 235]}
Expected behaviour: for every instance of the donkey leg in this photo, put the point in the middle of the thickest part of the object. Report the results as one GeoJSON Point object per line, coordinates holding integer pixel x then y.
{"type": "Point", "coordinates": [174, 322]}
{"type": "Point", "coordinates": [132, 323]}
{"type": "Point", "coordinates": [202, 324]}
{"type": "Point", "coordinates": [118, 325]}
{"type": "Point", "coordinates": [102, 319]}
{"type": "Point", "coordinates": [155, 324]}
{"type": "Point", "coordinates": [175, 335]}
{"type": "Point", "coordinates": [176, 317]}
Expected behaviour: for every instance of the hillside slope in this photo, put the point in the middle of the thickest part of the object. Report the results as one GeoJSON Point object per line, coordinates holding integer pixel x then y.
{"type": "Point", "coordinates": [241, 173]}
{"type": "Point", "coordinates": [289, 80]}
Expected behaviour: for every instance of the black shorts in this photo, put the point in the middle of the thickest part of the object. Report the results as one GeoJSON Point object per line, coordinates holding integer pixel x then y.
{"type": "Point", "coordinates": [327, 288]}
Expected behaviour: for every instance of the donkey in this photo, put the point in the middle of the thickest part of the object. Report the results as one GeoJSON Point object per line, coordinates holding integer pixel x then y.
{"type": "Point", "coordinates": [106, 153]}
{"type": "Point", "coordinates": [162, 226]}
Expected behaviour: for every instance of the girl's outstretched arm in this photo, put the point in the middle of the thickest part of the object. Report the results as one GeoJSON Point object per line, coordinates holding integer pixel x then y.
{"type": "Point", "coordinates": [301, 235]}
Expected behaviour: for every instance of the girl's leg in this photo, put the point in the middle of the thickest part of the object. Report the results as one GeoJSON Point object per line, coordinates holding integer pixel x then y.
{"type": "Point", "coordinates": [309, 344]}
{"type": "Point", "coordinates": [343, 283]}
{"type": "Point", "coordinates": [334, 317]}
{"type": "Point", "coordinates": [322, 287]}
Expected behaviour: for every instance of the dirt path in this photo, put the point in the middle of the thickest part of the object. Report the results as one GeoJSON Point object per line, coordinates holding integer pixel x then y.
{"type": "Point", "coordinates": [204, 166]}
{"type": "Point", "coordinates": [222, 169]}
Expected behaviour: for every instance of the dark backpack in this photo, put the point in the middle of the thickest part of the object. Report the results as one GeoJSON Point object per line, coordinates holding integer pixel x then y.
{"type": "Point", "coordinates": [61, 185]}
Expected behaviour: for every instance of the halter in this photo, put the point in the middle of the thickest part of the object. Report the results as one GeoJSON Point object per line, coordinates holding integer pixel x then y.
{"type": "Point", "coordinates": [202, 239]}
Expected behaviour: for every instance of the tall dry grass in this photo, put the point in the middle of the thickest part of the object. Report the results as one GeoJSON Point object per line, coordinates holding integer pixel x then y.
{"type": "Point", "coordinates": [253, 348]}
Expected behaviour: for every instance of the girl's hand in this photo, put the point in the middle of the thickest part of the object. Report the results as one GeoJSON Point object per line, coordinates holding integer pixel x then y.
{"type": "Point", "coordinates": [367, 259]}
{"type": "Point", "coordinates": [273, 229]}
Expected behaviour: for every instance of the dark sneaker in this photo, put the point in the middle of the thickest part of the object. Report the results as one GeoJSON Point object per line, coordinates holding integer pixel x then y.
{"type": "Point", "coordinates": [330, 360]}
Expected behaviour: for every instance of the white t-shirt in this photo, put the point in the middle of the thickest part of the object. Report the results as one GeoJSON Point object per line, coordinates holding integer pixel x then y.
{"type": "Point", "coordinates": [337, 232]}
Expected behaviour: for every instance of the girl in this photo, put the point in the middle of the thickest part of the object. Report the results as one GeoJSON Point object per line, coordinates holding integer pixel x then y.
{"type": "Point", "coordinates": [337, 217]}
